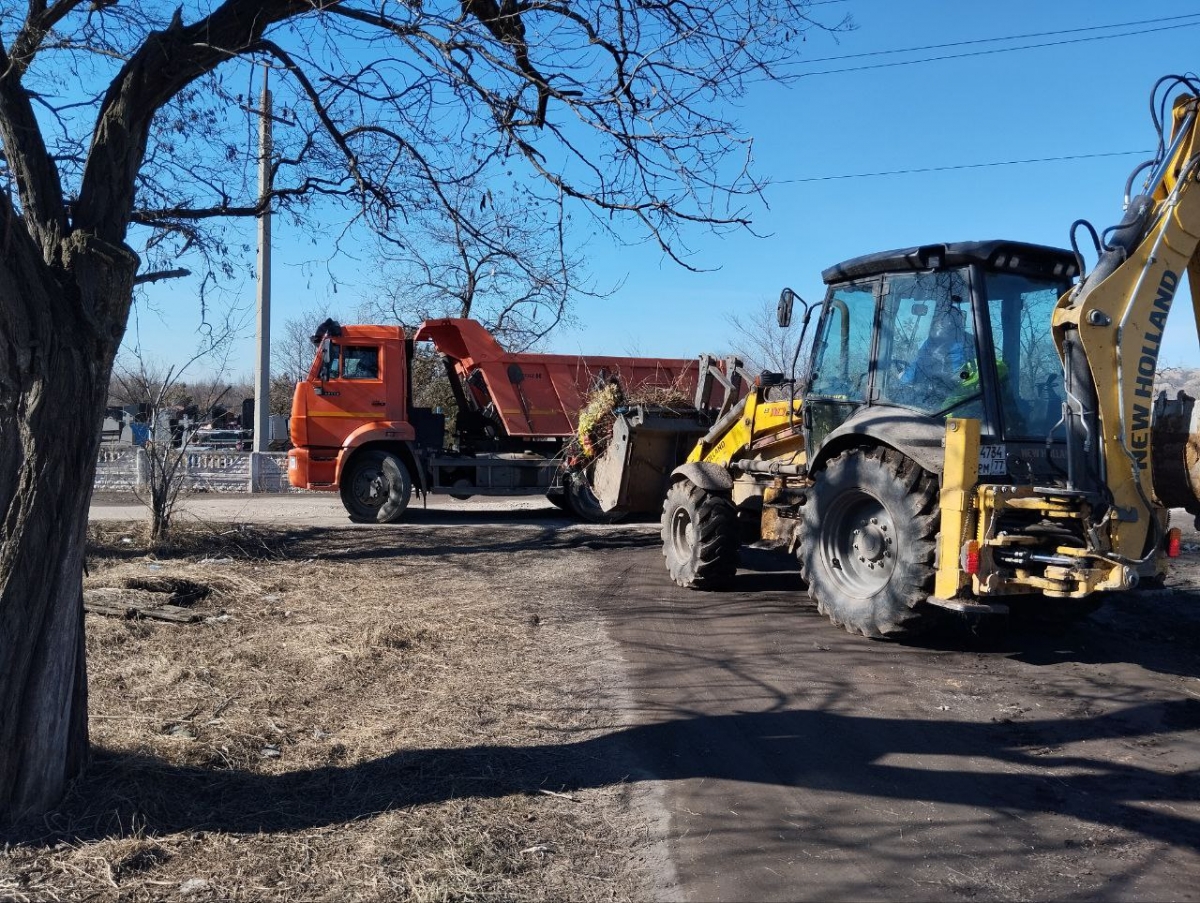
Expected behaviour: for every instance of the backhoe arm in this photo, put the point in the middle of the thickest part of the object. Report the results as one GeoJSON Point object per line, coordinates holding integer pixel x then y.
{"type": "Point", "coordinates": [1109, 331]}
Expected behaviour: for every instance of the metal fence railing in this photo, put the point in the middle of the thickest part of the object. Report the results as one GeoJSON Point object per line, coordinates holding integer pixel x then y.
{"type": "Point", "coordinates": [124, 468]}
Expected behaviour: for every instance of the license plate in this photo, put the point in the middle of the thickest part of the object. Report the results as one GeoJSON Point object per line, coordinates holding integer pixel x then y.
{"type": "Point", "coordinates": [992, 461]}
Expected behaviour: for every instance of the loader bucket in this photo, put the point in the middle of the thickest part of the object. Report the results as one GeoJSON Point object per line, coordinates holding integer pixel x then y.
{"type": "Point", "coordinates": [1175, 452]}
{"type": "Point", "coordinates": [633, 474]}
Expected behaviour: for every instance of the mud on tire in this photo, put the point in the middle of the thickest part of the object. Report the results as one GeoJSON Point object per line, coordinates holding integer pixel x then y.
{"type": "Point", "coordinates": [870, 530]}
{"type": "Point", "coordinates": [700, 536]}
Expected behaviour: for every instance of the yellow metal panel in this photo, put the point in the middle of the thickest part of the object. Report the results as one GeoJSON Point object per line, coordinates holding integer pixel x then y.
{"type": "Point", "coordinates": [959, 474]}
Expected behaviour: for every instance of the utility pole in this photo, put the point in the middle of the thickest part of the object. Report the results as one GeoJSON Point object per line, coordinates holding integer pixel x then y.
{"type": "Point", "coordinates": [262, 369]}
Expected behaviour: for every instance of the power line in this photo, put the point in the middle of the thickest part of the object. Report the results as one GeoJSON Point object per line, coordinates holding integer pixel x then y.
{"type": "Point", "coordinates": [925, 169]}
{"type": "Point", "coordinates": [1013, 37]}
{"type": "Point", "coordinates": [956, 56]}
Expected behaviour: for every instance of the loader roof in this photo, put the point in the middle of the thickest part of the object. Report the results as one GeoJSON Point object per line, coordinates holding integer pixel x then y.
{"type": "Point", "coordinates": [1012, 255]}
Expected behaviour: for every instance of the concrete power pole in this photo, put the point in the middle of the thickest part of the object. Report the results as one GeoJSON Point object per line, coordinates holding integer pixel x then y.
{"type": "Point", "coordinates": [262, 369]}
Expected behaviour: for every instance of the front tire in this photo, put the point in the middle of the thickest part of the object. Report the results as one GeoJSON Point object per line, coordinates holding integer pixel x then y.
{"type": "Point", "coordinates": [375, 487]}
{"type": "Point", "coordinates": [870, 530]}
{"type": "Point", "coordinates": [700, 536]}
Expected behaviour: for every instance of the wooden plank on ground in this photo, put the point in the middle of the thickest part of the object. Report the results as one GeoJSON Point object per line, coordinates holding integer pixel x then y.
{"type": "Point", "coordinates": [135, 603]}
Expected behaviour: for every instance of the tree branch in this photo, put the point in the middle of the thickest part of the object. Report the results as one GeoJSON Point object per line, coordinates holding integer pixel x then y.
{"type": "Point", "coordinates": [160, 275]}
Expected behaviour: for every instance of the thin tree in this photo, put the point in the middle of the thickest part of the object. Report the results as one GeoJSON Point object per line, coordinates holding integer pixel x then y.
{"type": "Point", "coordinates": [121, 146]}
{"type": "Point", "coordinates": [160, 391]}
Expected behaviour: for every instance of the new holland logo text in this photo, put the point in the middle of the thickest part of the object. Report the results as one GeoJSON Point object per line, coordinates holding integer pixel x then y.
{"type": "Point", "coordinates": [1139, 438]}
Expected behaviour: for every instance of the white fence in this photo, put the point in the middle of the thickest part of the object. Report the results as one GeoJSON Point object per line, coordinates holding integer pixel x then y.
{"type": "Point", "coordinates": [124, 468]}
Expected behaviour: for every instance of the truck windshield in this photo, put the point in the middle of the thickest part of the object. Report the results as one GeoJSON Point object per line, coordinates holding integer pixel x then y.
{"type": "Point", "coordinates": [1027, 364]}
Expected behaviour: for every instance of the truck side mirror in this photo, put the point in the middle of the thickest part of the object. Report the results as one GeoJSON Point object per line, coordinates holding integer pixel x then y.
{"type": "Point", "coordinates": [784, 312]}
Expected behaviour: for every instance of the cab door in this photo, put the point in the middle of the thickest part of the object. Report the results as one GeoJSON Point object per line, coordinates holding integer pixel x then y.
{"type": "Point", "coordinates": [347, 392]}
{"type": "Point", "coordinates": [842, 363]}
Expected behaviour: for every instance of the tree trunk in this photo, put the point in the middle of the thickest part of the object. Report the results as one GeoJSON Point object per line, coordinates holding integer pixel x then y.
{"type": "Point", "coordinates": [58, 336]}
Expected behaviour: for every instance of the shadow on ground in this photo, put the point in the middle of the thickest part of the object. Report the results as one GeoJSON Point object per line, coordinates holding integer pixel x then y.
{"type": "Point", "coordinates": [801, 748]}
{"type": "Point", "coordinates": [518, 530]}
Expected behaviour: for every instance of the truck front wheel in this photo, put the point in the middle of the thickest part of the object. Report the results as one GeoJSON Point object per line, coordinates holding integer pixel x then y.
{"type": "Point", "coordinates": [376, 487]}
{"type": "Point", "coordinates": [869, 536]}
{"type": "Point", "coordinates": [700, 536]}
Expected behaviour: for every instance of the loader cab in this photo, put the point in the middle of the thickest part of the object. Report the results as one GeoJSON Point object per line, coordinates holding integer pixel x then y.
{"type": "Point", "coordinates": [908, 338]}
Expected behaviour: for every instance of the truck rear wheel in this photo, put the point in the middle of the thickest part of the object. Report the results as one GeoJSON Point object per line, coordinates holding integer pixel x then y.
{"type": "Point", "coordinates": [376, 487]}
{"type": "Point", "coordinates": [579, 500]}
{"type": "Point", "coordinates": [700, 536]}
{"type": "Point", "coordinates": [869, 538]}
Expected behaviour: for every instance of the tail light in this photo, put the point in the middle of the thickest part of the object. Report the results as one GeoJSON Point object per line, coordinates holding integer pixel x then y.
{"type": "Point", "coordinates": [1173, 536]}
{"type": "Point", "coordinates": [971, 557]}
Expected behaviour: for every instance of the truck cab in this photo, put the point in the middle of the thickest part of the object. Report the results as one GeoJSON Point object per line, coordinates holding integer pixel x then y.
{"type": "Point", "coordinates": [356, 392]}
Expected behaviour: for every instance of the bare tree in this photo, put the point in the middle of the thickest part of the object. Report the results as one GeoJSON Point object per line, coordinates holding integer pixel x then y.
{"type": "Point", "coordinates": [759, 341]}
{"type": "Point", "coordinates": [511, 269]}
{"type": "Point", "coordinates": [292, 350]}
{"type": "Point", "coordinates": [160, 392]}
{"type": "Point", "coordinates": [121, 153]}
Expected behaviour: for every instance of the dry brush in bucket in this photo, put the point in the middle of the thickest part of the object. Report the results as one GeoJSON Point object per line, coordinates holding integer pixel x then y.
{"type": "Point", "coordinates": [598, 416]}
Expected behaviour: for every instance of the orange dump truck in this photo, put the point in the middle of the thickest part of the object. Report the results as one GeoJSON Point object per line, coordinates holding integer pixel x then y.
{"type": "Point", "coordinates": [355, 429]}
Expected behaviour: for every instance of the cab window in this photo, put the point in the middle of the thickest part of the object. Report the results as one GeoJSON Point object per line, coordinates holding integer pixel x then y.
{"type": "Point", "coordinates": [358, 362]}
{"type": "Point", "coordinates": [841, 364]}
{"type": "Point", "coordinates": [1027, 363]}
{"type": "Point", "coordinates": [927, 351]}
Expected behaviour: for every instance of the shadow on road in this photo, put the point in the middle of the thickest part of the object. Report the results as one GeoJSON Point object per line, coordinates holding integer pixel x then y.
{"type": "Point", "coordinates": [443, 533]}
{"type": "Point", "coordinates": [1155, 629]}
{"type": "Point", "coordinates": [799, 748]}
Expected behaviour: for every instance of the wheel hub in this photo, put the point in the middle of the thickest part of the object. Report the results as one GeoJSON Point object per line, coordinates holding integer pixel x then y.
{"type": "Point", "coordinates": [858, 541]}
{"type": "Point", "coordinates": [872, 541]}
{"type": "Point", "coordinates": [683, 533]}
{"type": "Point", "coordinates": [370, 488]}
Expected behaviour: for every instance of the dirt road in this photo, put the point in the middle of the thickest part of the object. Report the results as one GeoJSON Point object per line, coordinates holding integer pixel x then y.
{"type": "Point", "coordinates": [803, 763]}
{"type": "Point", "coordinates": [793, 761]}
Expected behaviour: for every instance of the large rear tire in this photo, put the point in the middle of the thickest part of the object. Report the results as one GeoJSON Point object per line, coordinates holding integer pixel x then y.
{"type": "Point", "coordinates": [870, 527]}
{"type": "Point", "coordinates": [375, 487]}
{"type": "Point", "coordinates": [700, 536]}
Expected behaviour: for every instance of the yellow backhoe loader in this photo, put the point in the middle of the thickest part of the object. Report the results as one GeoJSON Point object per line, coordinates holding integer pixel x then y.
{"type": "Point", "coordinates": [975, 429]}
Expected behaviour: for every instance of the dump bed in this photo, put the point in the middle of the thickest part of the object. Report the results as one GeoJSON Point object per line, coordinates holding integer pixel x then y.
{"type": "Point", "coordinates": [541, 395]}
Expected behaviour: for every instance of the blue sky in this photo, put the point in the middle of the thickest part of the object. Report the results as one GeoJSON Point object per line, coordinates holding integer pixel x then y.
{"type": "Point", "coordinates": [1082, 98]}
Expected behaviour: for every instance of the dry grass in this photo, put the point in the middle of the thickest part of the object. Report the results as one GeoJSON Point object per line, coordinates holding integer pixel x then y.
{"type": "Point", "coordinates": [363, 714]}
